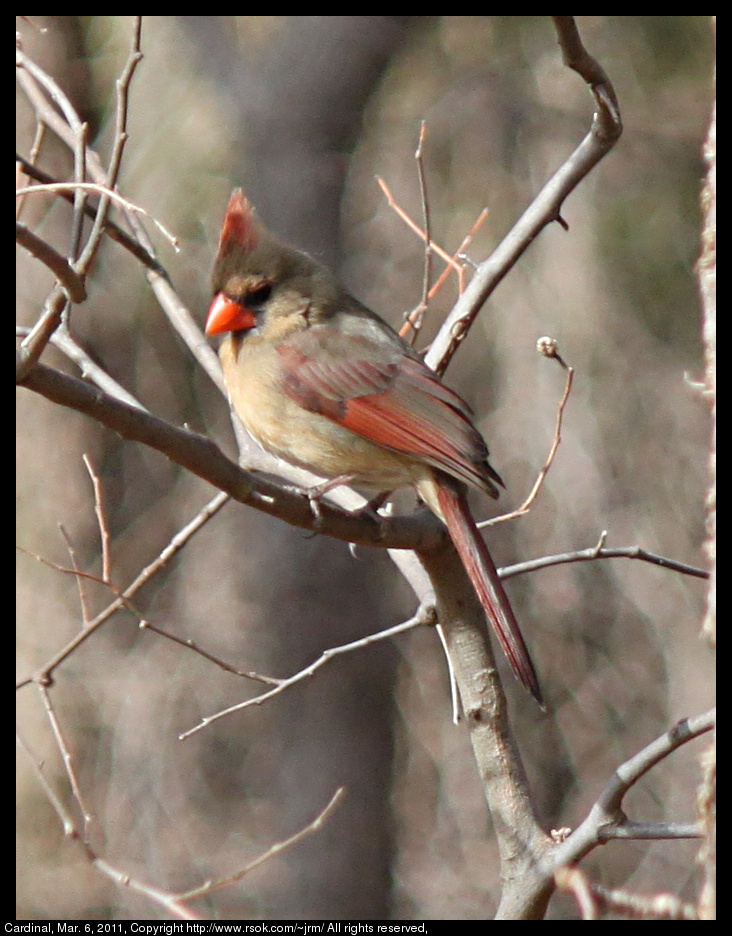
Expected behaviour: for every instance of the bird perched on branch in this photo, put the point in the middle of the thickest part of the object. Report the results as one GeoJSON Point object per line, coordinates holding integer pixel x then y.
{"type": "Point", "coordinates": [324, 383]}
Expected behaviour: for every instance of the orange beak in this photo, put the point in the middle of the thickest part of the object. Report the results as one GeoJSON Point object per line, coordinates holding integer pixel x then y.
{"type": "Point", "coordinates": [228, 315]}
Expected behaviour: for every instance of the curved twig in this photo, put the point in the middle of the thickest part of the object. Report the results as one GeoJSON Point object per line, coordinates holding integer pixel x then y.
{"type": "Point", "coordinates": [546, 207]}
{"type": "Point", "coordinates": [607, 812]}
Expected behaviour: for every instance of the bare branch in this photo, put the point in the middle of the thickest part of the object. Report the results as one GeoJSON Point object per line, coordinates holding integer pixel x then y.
{"type": "Point", "coordinates": [67, 821]}
{"type": "Point", "coordinates": [65, 751]}
{"type": "Point", "coordinates": [594, 553]}
{"type": "Point", "coordinates": [607, 811]}
{"type": "Point", "coordinates": [201, 456]}
{"type": "Point", "coordinates": [120, 138]}
{"type": "Point", "coordinates": [122, 878]}
{"type": "Point", "coordinates": [101, 519]}
{"type": "Point", "coordinates": [174, 903]}
{"type": "Point", "coordinates": [416, 317]}
{"type": "Point", "coordinates": [450, 261]}
{"type": "Point", "coordinates": [65, 342]}
{"type": "Point", "coordinates": [34, 343]}
{"type": "Point", "coordinates": [114, 231]}
{"type": "Point", "coordinates": [546, 207]}
{"type": "Point", "coordinates": [80, 579]}
{"type": "Point", "coordinates": [105, 192]}
{"type": "Point", "coordinates": [45, 674]}
{"type": "Point", "coordinates": [315, 826]}
{"type": "Point", "coordinates": [592, 898]}
{"type": "Point", "coordinates": [37, 78]}
{"type": "Point", "coordinates": [650, 830]}
{"type": "Point", "coordinates": [526, 506]}
{"type": "Point", "coordinates": [20, 169]}
{"type": "Point", "coordinates": [58, 265]}
{"type": "Point", "coordinates": [529, 858]}
{"type": "Point", "coordinates": [222, 664]}
{"type": "Point", "coordinates": [424, 615]}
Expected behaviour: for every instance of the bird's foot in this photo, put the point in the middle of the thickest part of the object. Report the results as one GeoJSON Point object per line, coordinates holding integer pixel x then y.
{"type": "Point", "coordinates": [316, 494]}
{"type": "Point", "coordinates": [371, 509]}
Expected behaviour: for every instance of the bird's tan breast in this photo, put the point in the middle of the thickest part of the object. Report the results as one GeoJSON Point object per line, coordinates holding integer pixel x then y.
{"type": "Point", "coordinates": [254, 378]}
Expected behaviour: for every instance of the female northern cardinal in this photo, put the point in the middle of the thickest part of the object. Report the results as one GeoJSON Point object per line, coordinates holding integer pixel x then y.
{"type": "Point", "coordinates": [322, 382]}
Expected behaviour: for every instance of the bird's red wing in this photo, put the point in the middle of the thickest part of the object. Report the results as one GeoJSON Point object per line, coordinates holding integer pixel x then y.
{"type": "Point", "coordinates": [398, 403]}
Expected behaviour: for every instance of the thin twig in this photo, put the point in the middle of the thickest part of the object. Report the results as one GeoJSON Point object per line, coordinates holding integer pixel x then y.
{"type": "Point", "coordinates": [53, 89]}
{"type": "Point", "coordinates": [37, 84]}
{"type": "Point", "coordinates": [34, 151]}
{"type": "Point", "coordinates": [67, 821]}
{"type": "Point", "coordinates": [101, 190]}
{"type": "Point", "coordinates": [575, 881]}
{"type": "Point", "coordinates": [391, 201]}
{"type": "Point", "coordinates": [113, 230]}
{"type": "Point", "coordinates": [120, 138]}
{"type": "Point", "coordinates": [416, 317]}
{"type": "Point", "coordinates": [121, 878]}
{"type": "Point", "coordinates": [464, 244]}
{"type": "Point", "coordinates": [546, 207]}
{"type": "Point", "coordinates": [170, 302]}
{"type": "Point", "coordinates": [65, 342]}
{"type": "Point", "coordinates": [80, 580]}
{"type": "Point", "coordinates": [45, 673]}
{"type": "Point", "coordinates": [593, 553]}
{"type": "Point", "coordinates": [101, 519]}
{"type": "Point", "coordinates": [424, 615]}
{"type": "Point", "coordinates": [443, 277]}
{"type": "Point", "coordinates": [413, 319]}
{"type": "Point", "coordinates": [592, 897]}
{"type": "Point", "coordinates": [663, 906]}
{"type": "Point", "coordinates": [79, 573]}
{"type": "Point", "coordinates": [175, 903]}
{"type": "Point", "coordinates": [222, 664]}
{"type": "Point", "coordinates": [65, 753]}
{"type": "Point", "coordinates": [315, 826]}
{"type": "Point", "coordinates": [526, 506]}
{"type": "Point", "coordinates": [168, 901]}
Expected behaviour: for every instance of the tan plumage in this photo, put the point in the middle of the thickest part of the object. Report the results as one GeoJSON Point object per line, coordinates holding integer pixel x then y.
{"type": "Point", "coordinates": [324, 383]}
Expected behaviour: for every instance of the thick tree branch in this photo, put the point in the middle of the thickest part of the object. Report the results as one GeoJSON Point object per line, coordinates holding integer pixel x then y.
{"type": "Point", "coordinates": [521, 840]}
{"type": "Point", "coordinates": [200, 455]}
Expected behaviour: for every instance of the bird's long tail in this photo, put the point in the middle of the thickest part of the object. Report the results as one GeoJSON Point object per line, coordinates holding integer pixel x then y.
{"type": "Point", "coordinates": [483, 574]}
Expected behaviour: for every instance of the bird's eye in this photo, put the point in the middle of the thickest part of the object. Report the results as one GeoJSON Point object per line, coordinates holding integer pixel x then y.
{"type": "Point", "coordinates": [258, 296]}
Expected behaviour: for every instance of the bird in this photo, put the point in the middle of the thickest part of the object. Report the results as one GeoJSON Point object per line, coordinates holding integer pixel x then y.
{"type": "Point", "coordinates": [324, 383]}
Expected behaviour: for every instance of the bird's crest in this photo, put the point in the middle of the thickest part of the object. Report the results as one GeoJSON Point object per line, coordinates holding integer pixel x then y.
{"type": "Point", "coordinates": [239, 230]}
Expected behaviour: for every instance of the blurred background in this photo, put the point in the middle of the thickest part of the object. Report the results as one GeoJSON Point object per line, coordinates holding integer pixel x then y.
{"type": "Point", "coordinates": [304, 113]}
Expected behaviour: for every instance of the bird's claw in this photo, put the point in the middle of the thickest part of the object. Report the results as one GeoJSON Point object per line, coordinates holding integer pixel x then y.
{"type": "Point", "coordinates": [316, 493]}
{"type": "Point", "coordinates": [314, 497]}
